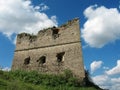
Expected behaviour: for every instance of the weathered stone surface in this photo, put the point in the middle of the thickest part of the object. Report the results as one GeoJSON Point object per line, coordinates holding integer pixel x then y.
{"type": "Point", "coordinates": [51, 51]}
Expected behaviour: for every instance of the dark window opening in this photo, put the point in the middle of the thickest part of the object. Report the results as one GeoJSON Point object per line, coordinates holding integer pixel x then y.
{"type": "Point", "coordinates": [60, 56]}
{"type": "Point", "coordinates": [55, 32]}
{"type": "Point", "coordinates": [27, 61]}
{"type": "Point", "coordinates": [42, 60]}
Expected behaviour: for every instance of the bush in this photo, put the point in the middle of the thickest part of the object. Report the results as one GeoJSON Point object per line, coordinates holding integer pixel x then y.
{"type": "Point", "coordinates": [88, 81]}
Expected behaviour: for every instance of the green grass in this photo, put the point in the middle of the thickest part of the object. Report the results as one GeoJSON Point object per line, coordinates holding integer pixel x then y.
{"type": "Point", "coordinates": [22, 80]}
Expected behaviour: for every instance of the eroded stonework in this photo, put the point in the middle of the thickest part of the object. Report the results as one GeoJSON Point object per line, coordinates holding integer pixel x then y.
{"type": "Point", "coordinates": [51, 51]}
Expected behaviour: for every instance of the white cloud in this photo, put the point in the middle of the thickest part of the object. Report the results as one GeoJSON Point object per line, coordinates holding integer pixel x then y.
{"type": "Point", "coordinates": [5, 69]}
{"type": "Point", "coordinates": [14, 41]}
{"type": "Point", "coordinates": [102, 80]}
{"type": "Point", "coordinates": [18, 16]}
{"type": "Point", "coordinates": [106, 68]}
{"type": "Point", "coordinates": [102, 26]}
{"type": "Point", "coordinates": [43, 7]}
{"type": "Point", "coordinates": [116, 80]}
{"type": "Point", "coordinates": [85, 68]}
{"type": "Point", "coordinates": [116, 83]}
{"type": "Point", "coordinates": [106, 81]}
{"type": "Point", "coordinates": [114, 70]}
{"type": "Point", "coordinates": [95, 65]}
{"type": "Point", "coordinates": [85, 46]}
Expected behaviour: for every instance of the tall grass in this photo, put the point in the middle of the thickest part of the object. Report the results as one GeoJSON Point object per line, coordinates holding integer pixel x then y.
{"type": "Point", "coordinates": [22, 80]}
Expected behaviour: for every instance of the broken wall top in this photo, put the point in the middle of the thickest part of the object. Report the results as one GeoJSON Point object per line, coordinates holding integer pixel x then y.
{"type": "Point", "coordinates": [67, 33]}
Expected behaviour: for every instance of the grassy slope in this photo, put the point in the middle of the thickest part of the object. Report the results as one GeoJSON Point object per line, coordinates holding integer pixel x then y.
{"type": "Point", "coordinates": [33, 81]}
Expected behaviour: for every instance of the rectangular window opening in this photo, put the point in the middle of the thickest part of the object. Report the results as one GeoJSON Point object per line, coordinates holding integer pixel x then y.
{"type": "Point", "coordinates": [60, 57]}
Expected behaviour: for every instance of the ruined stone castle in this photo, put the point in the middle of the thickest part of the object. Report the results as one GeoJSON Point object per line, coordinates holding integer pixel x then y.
{"type": "Point", "coordinates": [51, 51]}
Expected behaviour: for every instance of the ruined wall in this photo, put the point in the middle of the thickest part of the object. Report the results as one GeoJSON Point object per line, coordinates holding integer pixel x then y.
{"type": "Point", "coordinates": [51, 51]}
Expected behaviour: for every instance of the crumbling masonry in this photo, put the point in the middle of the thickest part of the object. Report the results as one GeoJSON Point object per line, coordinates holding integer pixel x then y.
{"type": "Point", "coordinates": [51, 51]}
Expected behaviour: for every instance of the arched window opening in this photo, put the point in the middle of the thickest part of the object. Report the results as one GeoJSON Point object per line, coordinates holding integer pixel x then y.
{"type": "Point", "coordinates": [27, 61]}
{"type": "Point", "coordinates": [42, 60]}
{"type": "Point", "coordinates": [60, 57]}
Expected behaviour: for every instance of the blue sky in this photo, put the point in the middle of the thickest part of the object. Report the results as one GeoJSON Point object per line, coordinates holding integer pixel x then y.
{"type": "Point", "coordinates": [99, 25]}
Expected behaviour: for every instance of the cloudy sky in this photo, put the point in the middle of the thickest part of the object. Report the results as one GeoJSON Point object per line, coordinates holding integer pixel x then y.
{"type": "Point", "coordinates": [99, 26]}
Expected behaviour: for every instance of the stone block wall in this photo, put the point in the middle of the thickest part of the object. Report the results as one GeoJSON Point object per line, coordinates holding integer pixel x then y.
{"type": "Point", "coordinates": [51, 51]}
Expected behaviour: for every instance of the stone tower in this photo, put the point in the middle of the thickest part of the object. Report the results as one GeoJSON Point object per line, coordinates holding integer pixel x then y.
{"type": "Point", "coordinates": [51, 51]}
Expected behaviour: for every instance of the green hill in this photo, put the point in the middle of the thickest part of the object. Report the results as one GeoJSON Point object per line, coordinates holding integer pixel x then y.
{"type": "Point", "coordinates": [22, 80]}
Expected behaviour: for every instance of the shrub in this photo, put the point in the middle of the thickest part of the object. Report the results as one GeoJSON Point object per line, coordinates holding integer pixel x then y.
{"type": "Point", "coordinates": [88, 81]}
